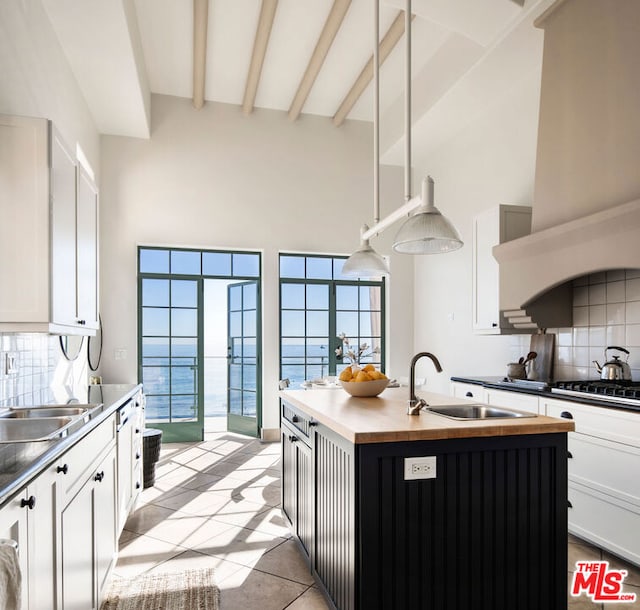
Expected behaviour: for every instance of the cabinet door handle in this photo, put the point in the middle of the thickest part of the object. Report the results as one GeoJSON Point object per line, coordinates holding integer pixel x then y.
{"type": "Point", "coordinates": [137, 456]}
{"type": "Point", "coordinates": [137, 430]}
{"type": "Point", "coordinates": [99, 476]}
{"type": "Point", "coordinates": [82, 322]}
{"type": "Point", "coordinates": [569, 454]}
{"type": "Point", "coordinates": [569, 504]}
{"type": "Point", "coordinates": [566, 415]}
{"type": "Point", "coordinates": [63, 469]}
{"type": "Point", "coordinates": [138, 485]}
{"type": "Point", "coordinates": [30, 503]}
{"type": "Point", "coordinates": [469, 394]}
{"type": "Point", "coordinates": [313, 423]}
{"type": "Point", "coordinates": [293, 439]}
{"type": "Point", "coordinates": [295, 419]}
{"type": "Point", "coordinates": [494, 324]}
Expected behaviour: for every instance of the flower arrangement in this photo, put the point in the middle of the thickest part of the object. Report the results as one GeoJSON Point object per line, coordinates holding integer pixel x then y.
{"type": "Point", "coordinates": [347, 351]}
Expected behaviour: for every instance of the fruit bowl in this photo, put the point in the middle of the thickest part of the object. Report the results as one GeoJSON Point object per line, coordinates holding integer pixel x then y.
{"type": "Point", "coordinates": [364, 388]}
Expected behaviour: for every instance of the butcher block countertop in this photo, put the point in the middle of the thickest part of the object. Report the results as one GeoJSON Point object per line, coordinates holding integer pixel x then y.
{"type": "Point", "coordinates": [383, 419]}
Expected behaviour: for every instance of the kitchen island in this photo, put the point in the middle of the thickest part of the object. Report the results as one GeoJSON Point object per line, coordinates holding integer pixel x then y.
{"type": "Point", "coordinates": [486, 531]}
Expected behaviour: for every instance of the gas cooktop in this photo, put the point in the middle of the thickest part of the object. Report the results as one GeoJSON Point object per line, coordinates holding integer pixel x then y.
{"type": "Point", "coordinates": [626, 392]}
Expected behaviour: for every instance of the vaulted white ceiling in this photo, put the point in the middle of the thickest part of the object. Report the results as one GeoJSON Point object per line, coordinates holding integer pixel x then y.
{"type": "Point", "coordinates": [465, 54]}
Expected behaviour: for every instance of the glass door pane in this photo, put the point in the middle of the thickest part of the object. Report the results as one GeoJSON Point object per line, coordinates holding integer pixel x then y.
{"type": "Point", "coordinates": [242, 361]}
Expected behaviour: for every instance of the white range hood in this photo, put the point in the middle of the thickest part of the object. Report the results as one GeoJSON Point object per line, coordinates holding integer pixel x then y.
{"type": "Point", "coordinates": [586, 210]}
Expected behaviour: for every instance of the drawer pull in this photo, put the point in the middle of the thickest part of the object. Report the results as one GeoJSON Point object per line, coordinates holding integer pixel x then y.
{"type": "Point", "coordinates": [469, 394]}
{"type": "Point", "coordinates": [99, 476]}
{"type": "Point", "coordinates": [63, 469]}
{"type": "Point", "coordinates": [569, 454]}
{"type": "Point", "coordinates": [566, 415]}
{"type": "Point", "coordinates": [30, 503]}
{"type": "Point", "coordinates": [313, 423]}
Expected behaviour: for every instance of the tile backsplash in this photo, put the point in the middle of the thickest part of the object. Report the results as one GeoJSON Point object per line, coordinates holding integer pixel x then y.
{"type": "Point", "coordinates": [606, 312]}
{"type": "Point", "coordinates": [42, 374]}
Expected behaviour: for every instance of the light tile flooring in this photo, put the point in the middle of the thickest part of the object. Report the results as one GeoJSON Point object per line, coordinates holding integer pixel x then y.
{"type": "Point", "coordinates": [216, 504]}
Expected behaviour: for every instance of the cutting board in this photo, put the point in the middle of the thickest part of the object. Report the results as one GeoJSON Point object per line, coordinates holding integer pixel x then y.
{"type": "Point", "coordinates": [541, 366]}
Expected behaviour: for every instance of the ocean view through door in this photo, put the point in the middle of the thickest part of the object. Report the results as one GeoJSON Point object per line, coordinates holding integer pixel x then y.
{"type": "Point", "coordinates": [186, 299]}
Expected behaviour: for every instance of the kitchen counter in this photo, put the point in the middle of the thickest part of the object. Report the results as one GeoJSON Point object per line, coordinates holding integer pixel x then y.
{"type": "Point", "coordinates": [384, 419]}
{"type": "Point", "coordinates": [21, 462]}
{"type": "Point", "coordinates": [587, 399]}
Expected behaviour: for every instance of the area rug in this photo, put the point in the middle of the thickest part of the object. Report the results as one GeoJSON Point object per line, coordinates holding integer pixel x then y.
{"type": "Point", "coordinates": [188, 590]}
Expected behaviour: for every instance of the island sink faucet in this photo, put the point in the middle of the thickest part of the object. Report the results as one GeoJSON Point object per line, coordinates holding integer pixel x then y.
{"type": "Point", "coordinates": [415, 403]}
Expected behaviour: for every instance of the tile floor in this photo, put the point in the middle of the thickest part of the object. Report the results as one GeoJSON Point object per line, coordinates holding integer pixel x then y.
{"type": "Point", "coordinates": [216, 504]}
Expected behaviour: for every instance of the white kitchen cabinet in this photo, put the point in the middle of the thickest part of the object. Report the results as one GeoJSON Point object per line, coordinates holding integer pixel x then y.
{"type": "Point", "coordinates": [87, 249]}
{"type": "Point", "coordinates": [490, 228]}
{"type": "Point", "coordinates": [130, 424]}
{"type": "Point", "coordinates": [29, 519]}
{"type": "Point", "coordinates": [88, 518]}
{"type": "Point", "coordinates": [604, 487]}
{"type": "Point", "coordinates": [513, 400]}
{"type": "Point", "coordinates": [48, 233]}
{"type": "Point", "coordinates": [471, 391]}
{"type": "Point", "coordinates": [105, 521]}
{"type": "Point", "coordinates": [13, 526]}
{"type": "Point", "coordinates": [41, 522]}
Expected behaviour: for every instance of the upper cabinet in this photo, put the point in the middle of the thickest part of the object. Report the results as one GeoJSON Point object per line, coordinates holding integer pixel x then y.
{"type": "Point", "coordinates": [48, 233]}
{"type": "Point", "coordinates": [490, 228]}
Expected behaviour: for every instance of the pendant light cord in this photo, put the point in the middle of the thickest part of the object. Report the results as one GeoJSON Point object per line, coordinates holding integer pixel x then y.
{"type": "Point", "coordinates": [407, 102]}
{"type": "Point", "coordinates": [376, 113]}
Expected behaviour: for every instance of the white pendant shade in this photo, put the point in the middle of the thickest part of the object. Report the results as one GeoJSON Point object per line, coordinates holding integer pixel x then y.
{"type": "Point", "coordinates": [365, 262]}
{"type": "Point", "coordinates": [427, 231]}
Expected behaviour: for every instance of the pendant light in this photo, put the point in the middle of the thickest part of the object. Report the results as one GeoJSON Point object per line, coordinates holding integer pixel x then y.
{"type": "Point", "coordinates": [365, 262]}
{"type": "Point", "coordinates": [427, 231]}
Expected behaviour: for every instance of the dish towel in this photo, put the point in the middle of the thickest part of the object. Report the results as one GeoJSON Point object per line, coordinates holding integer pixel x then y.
{"type": "Point", "coordinates": [10, 576]}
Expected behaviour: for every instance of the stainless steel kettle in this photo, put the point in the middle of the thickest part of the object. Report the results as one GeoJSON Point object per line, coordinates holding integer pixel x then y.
{"type": "Point", "coordinates": [614, 369]}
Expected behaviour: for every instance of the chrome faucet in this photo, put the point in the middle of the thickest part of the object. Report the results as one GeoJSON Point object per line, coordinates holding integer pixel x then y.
{"type": "Point", "coordinates": [415, 403]}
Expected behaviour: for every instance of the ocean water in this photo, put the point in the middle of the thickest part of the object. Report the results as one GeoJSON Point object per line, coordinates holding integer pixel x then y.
{"type": "Point", "coordinates": [178, 375]}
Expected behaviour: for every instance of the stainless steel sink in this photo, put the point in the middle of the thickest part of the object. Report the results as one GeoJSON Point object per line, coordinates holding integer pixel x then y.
{"type": "Point", "coordinates": [45, 411]}
{"type": "Point", "coordinates": [39, 429]}
{"type": "Point", "coordinates": [477, 411]}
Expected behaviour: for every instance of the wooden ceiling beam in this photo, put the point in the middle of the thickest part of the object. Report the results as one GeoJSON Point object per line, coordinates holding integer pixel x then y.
{"type": "Point", "coordinates": [260, 43]}
{"type": "Point", "coordinates": [200, 22]}
{"type": "Point", "coordinates": [387, 44]}
{"type": "Point", "coordinates": [331, 27]}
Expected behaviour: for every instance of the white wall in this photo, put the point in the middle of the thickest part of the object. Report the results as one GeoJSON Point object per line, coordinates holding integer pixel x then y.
{"type": "Point", "coordinates": [490, 162]}
{"type": "Point", "coordinates": [36, 79]}
{"type": "Point", "coordinates": [215, 178]}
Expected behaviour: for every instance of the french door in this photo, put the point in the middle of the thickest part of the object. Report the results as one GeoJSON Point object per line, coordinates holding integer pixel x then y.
{"type": "Point", "coordinates": [171, 339]}
{"type": "Point", "coordinates": [243, 358]}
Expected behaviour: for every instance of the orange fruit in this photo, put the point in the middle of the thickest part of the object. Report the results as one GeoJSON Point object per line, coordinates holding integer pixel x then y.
{"type": "Point", "coordinates": [363, 376]}
{"type": "Point", "coordinates": [346, 374]}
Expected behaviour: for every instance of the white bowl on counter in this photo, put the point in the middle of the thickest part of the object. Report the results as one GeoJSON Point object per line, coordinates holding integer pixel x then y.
{"type": "Point", "coordinates": [365, 388]}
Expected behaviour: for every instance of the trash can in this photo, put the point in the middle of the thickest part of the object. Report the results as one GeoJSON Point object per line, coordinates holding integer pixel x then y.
{"type": "Point", "coordinates": [151, 439]}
